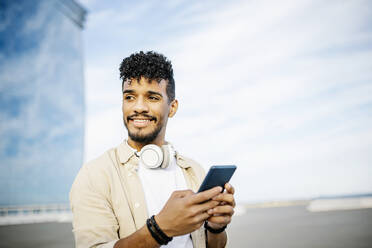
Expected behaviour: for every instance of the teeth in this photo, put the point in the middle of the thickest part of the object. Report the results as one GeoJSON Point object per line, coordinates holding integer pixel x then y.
{"type": "Point", "coordinates": [140, 121]}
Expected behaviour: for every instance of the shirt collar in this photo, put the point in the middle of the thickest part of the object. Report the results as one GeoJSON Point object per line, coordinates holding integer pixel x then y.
{"type": "Point", "coordinates": [182, 162]}
{"type": "Point", "coordinates": [125, 152]}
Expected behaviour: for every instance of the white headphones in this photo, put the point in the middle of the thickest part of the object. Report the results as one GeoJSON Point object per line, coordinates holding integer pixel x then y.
{"type": "Point", "coordinates": [153, 156]}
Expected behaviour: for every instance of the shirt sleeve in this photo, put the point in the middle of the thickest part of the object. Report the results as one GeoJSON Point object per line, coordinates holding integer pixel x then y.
{"type": "Point", "coordinates": [94, 222]}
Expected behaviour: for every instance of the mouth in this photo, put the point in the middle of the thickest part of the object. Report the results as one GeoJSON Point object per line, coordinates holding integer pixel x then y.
{"type": "Point", "coordinates": [141, 121]}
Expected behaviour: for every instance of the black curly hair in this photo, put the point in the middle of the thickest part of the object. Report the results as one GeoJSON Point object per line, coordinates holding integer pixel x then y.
{"type": "Point", "coordinates": [152, 66]}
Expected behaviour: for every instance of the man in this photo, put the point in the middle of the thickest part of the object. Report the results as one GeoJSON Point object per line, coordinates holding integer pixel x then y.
{"type": "Point", "coordinates": [119, 202]}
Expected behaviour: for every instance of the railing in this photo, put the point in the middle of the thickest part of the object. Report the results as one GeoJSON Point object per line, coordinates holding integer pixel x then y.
{"type": "Point", "coordinates": [33, 209]}
{"type": "Point", "coordinates": [35, 214]}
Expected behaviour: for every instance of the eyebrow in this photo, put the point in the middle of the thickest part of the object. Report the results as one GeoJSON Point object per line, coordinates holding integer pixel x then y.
{"type": "Point", "coordinates": [150, 92]}
{"type": "Point", "coordinates": [128, 91]}
{"type": "Point", "coordinates": [154, 93]}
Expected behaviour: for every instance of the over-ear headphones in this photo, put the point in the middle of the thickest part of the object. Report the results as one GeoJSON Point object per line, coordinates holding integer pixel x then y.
{"type": "Point", "coordinates": [153, 156]}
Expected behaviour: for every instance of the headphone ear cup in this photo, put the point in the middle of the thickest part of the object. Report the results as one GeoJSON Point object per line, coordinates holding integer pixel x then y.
{"type": "Point", "coordinates": [152, 156]}
{"type": "Point", "coordinates": [166, 155]}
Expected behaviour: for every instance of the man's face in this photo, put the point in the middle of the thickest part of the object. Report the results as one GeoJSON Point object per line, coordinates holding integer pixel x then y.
{"type": "Point", "coordinates": [146, 110]}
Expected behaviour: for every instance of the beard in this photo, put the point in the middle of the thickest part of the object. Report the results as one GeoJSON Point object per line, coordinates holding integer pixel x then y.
{"type": "Point", "coordinates": [143, 138]}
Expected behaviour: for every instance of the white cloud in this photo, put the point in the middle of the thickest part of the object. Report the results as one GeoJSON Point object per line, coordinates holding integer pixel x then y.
{"type": "Point", "coordinates": [103, 131]}
{"type": "Point", "coordinates": [279, 88]}
{"type": "Point", "coordinates": [41, 92]}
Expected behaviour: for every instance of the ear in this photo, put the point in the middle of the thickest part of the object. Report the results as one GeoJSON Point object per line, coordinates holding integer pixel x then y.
{"type": "Point", "coordinates": [173, 108]}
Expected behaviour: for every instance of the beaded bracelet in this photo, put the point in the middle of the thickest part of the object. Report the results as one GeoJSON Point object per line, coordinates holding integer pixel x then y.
{"type": "Point", "coordinates": [156, 232]}
{"type": "Point", "coordinates": [153, 233]}
{"type": "Point", "coordinates": [159, 231]}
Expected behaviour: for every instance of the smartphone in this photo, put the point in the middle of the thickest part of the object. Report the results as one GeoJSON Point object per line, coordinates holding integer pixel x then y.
{"type": "Point", "coordinates": [218, 175]}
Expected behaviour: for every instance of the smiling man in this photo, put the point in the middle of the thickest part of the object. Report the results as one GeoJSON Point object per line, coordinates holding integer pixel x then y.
{"type": "Point", "coordinates": [141, 193]}
{"type": "Point", "coordinates": [146, 108]}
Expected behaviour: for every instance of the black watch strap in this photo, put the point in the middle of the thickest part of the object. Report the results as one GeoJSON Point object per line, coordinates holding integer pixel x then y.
{"type": "Point", "coordinates": [220, 230]}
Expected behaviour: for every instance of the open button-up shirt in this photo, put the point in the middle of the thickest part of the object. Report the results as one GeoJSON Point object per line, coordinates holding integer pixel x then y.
{"type": "Point", "coordinates": [108, 202]}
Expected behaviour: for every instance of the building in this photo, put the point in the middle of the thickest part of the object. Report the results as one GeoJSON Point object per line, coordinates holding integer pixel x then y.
{"type": "Point", "coordinates": [41, 100]}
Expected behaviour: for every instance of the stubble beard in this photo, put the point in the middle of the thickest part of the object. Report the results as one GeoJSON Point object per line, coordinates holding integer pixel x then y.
{"type": "Point", "coordinates": [143, 138]}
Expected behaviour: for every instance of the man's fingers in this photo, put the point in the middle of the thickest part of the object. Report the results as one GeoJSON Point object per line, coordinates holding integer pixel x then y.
{"type": "Point", "coordinates": [223, 219]}
{"type": "Point", "coordinates": [229, 198]}
{"type": "Point", "coordinates": [205, 195]}
{"type": "Point", "coordinates": [229, 188]}
{"type": "Point", "coordinates": [201, 217]}
{"type": "Point", "coordinates": [222, 210]}
{"type": "Point", "coordinates": [206, 206]}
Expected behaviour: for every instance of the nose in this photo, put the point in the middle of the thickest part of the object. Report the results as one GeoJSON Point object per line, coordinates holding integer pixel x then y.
{"type": "Point", "coordinates": [141, 106]}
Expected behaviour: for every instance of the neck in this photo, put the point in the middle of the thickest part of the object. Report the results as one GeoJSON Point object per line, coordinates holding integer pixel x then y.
{"type": "Point", "coordinates": [159, 141]}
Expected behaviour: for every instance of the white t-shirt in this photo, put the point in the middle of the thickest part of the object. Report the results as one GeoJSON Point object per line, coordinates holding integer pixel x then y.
{"type": "Point", "coordinates": [158, 185]}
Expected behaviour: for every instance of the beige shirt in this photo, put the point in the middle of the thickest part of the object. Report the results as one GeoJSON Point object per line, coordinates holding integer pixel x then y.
{"type": "Point", "coordinates": [108, 202]}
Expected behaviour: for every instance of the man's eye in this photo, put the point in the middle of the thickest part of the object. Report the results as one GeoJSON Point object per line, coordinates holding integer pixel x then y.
{"type": "Point", "coordinates": [154, 98]}
{"type": "Point", "coordinates": [129, 97]}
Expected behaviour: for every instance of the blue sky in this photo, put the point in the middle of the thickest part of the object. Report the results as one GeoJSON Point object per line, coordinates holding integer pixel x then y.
{"type": "Point", "coordinates": [41, 104]}
{"type": "Point", "coordinates": [282, 89]}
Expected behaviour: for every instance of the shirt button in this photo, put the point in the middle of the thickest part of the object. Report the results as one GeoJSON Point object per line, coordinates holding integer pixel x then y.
{"type": "Point", "coordinates": [136, 205]}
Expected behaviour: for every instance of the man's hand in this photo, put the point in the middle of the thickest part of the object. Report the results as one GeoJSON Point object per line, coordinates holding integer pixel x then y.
{"type": "Point", "coordinates": [221, 215]}
{"type": "Point", "coordinates": [185, 211]}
